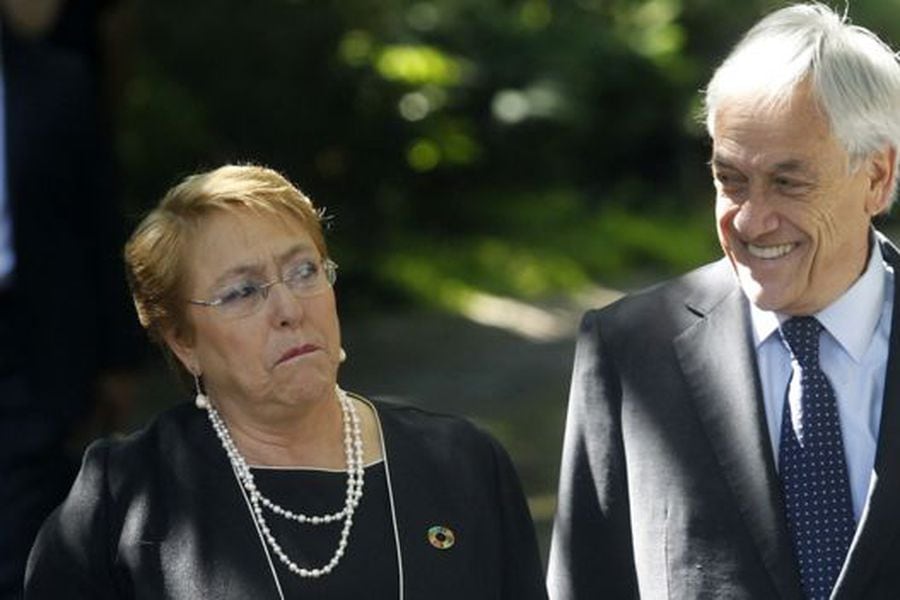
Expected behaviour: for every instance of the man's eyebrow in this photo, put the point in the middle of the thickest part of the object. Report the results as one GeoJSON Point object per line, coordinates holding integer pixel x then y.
{"type": "Point", "coordinates": [720, 163]}
{"type": "Point", "coordinates": [792, 165]}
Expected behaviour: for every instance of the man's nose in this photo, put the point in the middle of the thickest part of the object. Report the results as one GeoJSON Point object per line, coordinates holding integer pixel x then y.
{"type": "Point", "coordinates": [756, 216]}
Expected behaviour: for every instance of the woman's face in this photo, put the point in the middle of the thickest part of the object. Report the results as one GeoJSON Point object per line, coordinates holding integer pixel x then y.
{"type": "Point", "coordinates": [286, 351]}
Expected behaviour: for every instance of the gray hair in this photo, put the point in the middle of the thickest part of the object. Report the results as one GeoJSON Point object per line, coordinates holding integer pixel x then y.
{"type": "Point", "coordinates": [854, 75]}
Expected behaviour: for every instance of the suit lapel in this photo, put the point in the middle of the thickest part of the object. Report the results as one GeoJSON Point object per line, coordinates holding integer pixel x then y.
{"type": "Point", "coordinates": [879, 522]}
{"type": "Point", "coordinates": [717, 359]}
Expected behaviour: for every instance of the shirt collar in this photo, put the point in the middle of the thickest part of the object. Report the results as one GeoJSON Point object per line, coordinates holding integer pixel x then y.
{"type": "Point", "coordinates": [851, 319]}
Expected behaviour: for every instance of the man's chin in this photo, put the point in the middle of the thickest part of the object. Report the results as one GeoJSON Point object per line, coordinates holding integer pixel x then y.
{"type": "Point", "coordinates": [763, 303]}
{"type": "Point", "coordinates": [762, 296]}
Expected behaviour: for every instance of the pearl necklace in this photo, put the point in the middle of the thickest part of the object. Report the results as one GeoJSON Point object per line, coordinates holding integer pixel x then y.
{"type": "Point", "coordinates": [353, 452]}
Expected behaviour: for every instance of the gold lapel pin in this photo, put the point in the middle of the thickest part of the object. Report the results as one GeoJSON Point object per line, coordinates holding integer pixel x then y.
{"type": "Point", "coordinates": [441, 537]}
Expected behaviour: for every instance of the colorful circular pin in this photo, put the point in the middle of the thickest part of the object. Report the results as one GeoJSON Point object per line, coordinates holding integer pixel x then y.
{"type": "Point", "coordinates": [441, 537]}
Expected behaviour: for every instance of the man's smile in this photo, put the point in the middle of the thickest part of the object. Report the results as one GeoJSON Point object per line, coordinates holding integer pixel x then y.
{"type": "Point", "coordinates": [770, 252]}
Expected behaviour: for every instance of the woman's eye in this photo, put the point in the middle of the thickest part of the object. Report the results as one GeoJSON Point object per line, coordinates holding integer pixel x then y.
{"type": "Point", "coordinates": [240, 292]}
{"type": "Point", "coordinates": [305, 271]}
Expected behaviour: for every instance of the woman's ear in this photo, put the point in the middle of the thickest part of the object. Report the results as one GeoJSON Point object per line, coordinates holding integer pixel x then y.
{"type": "Point", "coordinates": [183, 348]}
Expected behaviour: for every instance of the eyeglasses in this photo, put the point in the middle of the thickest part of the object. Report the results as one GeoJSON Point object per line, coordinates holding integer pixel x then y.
{"type": "Point", "coordinates": [305, 279]}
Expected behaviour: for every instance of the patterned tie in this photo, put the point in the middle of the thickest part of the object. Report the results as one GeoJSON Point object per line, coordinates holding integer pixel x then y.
{"type": "Point", "coordinates": [813, 472]}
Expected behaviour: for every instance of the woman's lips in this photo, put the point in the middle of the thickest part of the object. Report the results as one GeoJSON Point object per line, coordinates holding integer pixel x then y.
{"type": "Point", "coordinates": [297, 351]}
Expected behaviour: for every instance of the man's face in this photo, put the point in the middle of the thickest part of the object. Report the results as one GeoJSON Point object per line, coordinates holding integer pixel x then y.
{"type": "Point", "coordinates": [792, 214]}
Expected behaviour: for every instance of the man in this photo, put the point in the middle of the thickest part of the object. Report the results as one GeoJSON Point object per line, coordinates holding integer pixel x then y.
{"type": "Point", "coordinates": [66, 335]}
{"type": "Point", "coordinates": [735, 433]}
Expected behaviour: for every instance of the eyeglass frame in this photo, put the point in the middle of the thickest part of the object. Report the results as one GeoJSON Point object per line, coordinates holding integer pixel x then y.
{"type": "Point", "coordinates": [329, 266]}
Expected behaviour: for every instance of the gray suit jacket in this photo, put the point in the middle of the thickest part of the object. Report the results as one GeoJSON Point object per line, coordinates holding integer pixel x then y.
{"type": "Point", "coordinates": [668, 486]}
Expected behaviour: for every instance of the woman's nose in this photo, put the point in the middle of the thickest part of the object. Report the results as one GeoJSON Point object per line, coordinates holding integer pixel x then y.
{"type": "Point", "coordinates": [286, 308]}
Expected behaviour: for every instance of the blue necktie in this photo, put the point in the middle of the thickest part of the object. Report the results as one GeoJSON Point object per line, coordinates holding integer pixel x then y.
{"type": "Point", "coordinates": [813, 472]}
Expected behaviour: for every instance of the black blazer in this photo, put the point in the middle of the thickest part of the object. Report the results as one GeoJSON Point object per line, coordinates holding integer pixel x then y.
{"type": "Point", "coordinates": [668, 486]}
{"type": "Point", "coordinates": [163, 505]}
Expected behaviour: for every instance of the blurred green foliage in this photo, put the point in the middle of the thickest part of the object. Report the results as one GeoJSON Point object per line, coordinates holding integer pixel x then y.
{"type": "Point", "coordinates": [521, 147]}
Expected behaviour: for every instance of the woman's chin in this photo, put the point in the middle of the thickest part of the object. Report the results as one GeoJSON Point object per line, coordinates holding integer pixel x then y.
{"type": "Point", "coordinates": [305, 389]}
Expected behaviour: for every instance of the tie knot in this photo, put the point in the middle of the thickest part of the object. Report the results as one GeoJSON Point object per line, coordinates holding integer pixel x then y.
{"type": "Point", "coordinates": [801, 334]}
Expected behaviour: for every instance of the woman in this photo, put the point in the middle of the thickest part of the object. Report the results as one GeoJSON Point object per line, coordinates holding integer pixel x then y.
{"type": "Point", "coordinates": [274, 482]}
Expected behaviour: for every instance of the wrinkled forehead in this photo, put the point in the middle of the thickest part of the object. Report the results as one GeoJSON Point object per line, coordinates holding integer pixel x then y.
{"type": "Point", "coordinates": [242, 239]}
{"type": "Point", "coordinates": [794, 123]}
{"type": "Point", "coordinates": [769, 107]}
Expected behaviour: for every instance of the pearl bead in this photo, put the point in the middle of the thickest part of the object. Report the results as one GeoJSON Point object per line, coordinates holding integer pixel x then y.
{"type": "Point", "coordinates": [353, 453]}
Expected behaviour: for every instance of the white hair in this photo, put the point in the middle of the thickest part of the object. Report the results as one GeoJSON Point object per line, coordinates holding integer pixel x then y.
{"type": "Point", "coordinates": [855, 77]}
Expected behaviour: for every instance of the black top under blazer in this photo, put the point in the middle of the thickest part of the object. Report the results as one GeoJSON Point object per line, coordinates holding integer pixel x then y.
{"type": "Point", "coordinates": [668, 486]}
{"type": "Point", "coordinates": [159, 515]}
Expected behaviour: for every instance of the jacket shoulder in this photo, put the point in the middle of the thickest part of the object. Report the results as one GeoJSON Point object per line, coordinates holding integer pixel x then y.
{"type": "Point", "coordinates": [667, 307]}
{"type": "Point", "coordinates": [173, 439]}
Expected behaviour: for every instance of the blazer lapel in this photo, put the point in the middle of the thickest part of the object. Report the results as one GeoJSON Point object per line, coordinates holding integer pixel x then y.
{"type": "Point", "coordinates": [879, 522]}
{"type": "Point", "coordinates": [719, 365]}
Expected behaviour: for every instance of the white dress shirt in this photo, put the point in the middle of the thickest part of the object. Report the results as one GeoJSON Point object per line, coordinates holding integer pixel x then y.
{"type": "Point", "coordinates": [853, 353]}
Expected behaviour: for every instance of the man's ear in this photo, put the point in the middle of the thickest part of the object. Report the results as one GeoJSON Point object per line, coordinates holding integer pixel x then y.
{"type": "Point", "coordinates": [183, 348]}
{"type": "Point", "coordinates": [881, 171]}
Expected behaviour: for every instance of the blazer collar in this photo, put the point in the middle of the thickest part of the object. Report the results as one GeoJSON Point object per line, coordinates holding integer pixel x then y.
{"type": "Point", "coordinates": [719, 365]}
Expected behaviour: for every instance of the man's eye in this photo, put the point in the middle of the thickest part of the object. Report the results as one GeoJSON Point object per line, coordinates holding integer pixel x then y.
{"type": "Point", "coordinates": [727, 179]}
{"type": "Point", "coordinates": [792, 187]}
{"type": "Point", "coordinates": [237, 293]}
{"type": "Point", "coordinates": [786, 183]}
